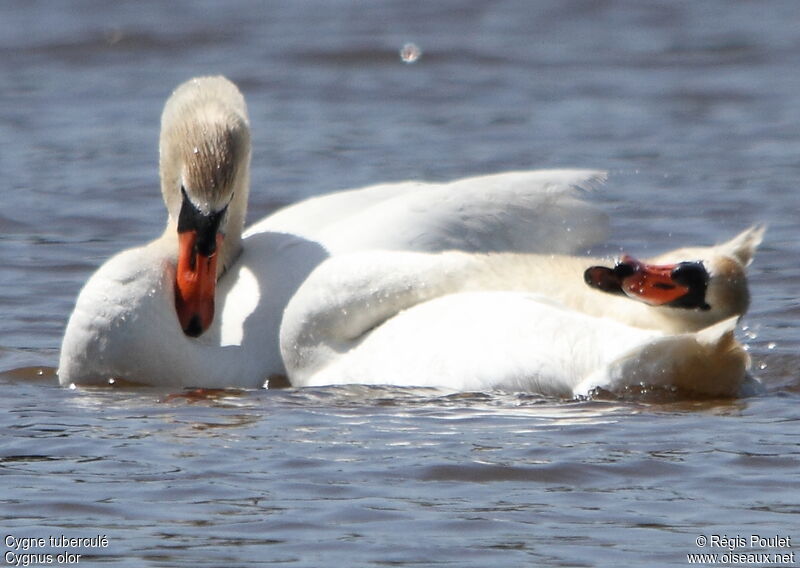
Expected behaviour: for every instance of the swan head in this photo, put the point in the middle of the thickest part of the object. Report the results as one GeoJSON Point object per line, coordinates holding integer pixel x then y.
{"type": "Point", "coordinates": [204, 165]}
{"type": "Point", "coordinates": [727, 292]}
{"type": "Point", "coordinates": [678, 285]}
{"type": "Point", "coordinates": [699, 285]}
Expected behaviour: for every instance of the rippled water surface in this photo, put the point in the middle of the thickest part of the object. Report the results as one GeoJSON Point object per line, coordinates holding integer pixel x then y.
{"type": "Point", "coordinates": [692, 107]}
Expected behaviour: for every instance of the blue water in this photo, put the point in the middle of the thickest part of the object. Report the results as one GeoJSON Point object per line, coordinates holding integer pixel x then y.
{"type": "Point", "coordinates": [693, 108]}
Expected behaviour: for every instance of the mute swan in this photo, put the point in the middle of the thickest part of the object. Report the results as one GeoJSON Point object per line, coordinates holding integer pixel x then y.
{"type": "Point", "coordinates": [203, 304]}
{"type": "Point", "coordinates": [475, 322]}
{"type": "Point", "coordinates": [156, 315]}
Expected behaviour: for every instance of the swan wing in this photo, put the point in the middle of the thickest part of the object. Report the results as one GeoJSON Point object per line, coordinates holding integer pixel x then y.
{"type": "Point", "coordinates": [526, 211]}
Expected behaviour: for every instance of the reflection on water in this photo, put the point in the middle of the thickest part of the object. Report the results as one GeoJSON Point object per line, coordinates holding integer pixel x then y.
{"type": "Point", "coordinates": [692, 108]}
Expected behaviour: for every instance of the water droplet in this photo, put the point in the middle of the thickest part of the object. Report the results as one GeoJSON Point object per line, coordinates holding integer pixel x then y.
{"type": "Point", "coordinates": [771, 345]}
{"type": "Point", "coordinates": [762, 366]}
{"type": "Point", "coordinates": [196, 150]}
{"type": "Point", "coordinates": [410, 53]}
{"type": "Point", "coordinates": [40, 372]}
{"type": "Point", "coordinates": [72, 386]}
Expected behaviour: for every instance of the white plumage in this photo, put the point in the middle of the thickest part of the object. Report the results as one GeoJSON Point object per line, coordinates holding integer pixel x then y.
{"type": "Point", "coordinates": [389, 300]}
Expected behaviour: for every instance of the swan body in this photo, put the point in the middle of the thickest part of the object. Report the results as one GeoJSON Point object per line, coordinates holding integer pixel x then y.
{"type": "Point", "coordinates": [126, 322]}
{"type": "Point", "coordinates": [521, 342]}
{"type": "Point", "coordinates": [205, 304]}
{"type": "Point", "coordinates": [468, 321]}
{"type": "Point", "coordinates": [123, 323]}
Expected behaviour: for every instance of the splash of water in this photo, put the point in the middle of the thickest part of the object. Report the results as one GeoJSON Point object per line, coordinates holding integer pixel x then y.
{"type": "Point", "coordinates": [410, 53]}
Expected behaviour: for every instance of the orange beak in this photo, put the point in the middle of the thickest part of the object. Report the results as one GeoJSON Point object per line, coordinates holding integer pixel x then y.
{"type": "Point", "coordinates": [652, 283]}
{"type": "Point", "coordinates": [199, 239]}
{"type": "Point", "coordinates": [195, 284]}
{"type": "Point", "coordinates": [681, 285]}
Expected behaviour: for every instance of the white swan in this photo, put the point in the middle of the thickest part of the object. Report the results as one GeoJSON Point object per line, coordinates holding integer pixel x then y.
{"type": "Point", "coordinates": [129, 318]}
{"type": "Point", "coordinates": [157, 314]}
{"type": "Point", "coordinates": [475, 322]}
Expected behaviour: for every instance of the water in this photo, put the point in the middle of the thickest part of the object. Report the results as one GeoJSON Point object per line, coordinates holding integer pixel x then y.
{"type": "Point", "coordinates": [692, 107]}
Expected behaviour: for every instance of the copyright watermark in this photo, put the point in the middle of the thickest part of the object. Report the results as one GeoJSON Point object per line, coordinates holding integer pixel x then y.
{"type": "Point", "coordinates": [754, 550]}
